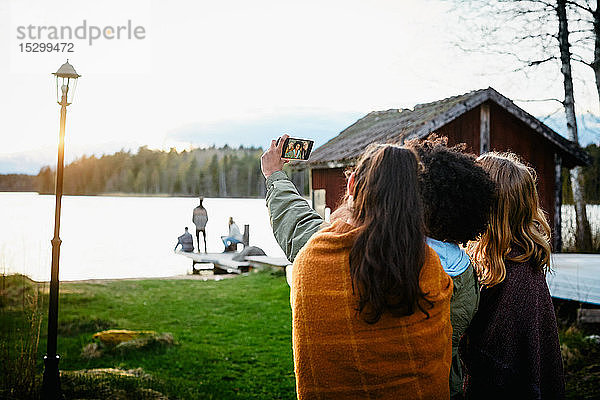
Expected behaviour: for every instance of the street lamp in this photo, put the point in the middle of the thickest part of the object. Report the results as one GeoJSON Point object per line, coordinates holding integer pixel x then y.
{"type": "Point", "coordinates": [66, 81]}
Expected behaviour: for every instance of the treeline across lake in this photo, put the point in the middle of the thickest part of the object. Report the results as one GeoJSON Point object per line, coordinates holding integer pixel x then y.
{"type": "Point", "coordinates": [18, 183]}
{"type": "Point", "coordinates": [209, 172]}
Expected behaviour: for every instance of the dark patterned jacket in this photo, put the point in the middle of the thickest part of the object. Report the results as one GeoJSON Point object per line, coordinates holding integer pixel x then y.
{"type": "Point", "coordinates": [511, 348]}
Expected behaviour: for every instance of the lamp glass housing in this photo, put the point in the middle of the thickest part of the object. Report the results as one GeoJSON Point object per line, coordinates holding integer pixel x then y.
{"type": "Point", "coordinates": [69, 85]}
{"type": "Point", "coordinates": [66, 82]}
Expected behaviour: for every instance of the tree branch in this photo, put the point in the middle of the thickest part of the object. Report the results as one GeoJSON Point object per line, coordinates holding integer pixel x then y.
{"type": "Point", "coordinates": [537, 36]}
{"type": "Point", "coordinates": [581, 31]}
{"type": "Point", "coordinates": [538, 62]}
{"type": "Point", "coordinates": [538, 100]}
{"type": "Point", "coordinates": [584, 8]}
{"type": "Point", "coordinates": [546, 4]}
{"type": "Point", "coordinates": [581, 61]}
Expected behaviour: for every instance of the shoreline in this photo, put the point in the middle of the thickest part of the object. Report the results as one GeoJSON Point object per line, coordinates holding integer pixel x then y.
{"type": "Point", "coordinates": [125, 194]}
{"type": "Point", "coordinates": [197, 277]}
{"type": "Point", "coordinates": [142, 195]}
{"type": "Point", "coordinates": [192, 277]}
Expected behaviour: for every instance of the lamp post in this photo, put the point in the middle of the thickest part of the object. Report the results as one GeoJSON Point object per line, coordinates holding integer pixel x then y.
{"type": "Point", "coordinates": [66, 81]}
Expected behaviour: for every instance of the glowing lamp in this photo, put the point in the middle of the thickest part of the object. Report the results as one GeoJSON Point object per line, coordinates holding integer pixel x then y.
{"type": "Point", "coordinates": [66, 82]}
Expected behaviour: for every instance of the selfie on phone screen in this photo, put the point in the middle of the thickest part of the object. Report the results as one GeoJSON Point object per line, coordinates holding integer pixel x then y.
{"type": "Point", "coordinates": [297, 149]}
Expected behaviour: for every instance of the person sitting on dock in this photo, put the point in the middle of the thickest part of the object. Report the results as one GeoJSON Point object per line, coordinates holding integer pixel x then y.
{"type": "Point", "coordinates": [186, 241]}
{"type": "Point", "coordinates": [234, 237]}
{"type": "Point", "coordinates": [200, 218]}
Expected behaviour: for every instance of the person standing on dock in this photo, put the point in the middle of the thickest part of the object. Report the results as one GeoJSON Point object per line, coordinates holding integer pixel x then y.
{"type": "Point", "coordinates": [186, 241]}
{"type": "Point", "coordinates": [200, 218]}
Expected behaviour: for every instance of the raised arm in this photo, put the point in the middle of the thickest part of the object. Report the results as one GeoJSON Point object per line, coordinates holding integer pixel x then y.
{"type": "Point", "coordinates": [292, 219]}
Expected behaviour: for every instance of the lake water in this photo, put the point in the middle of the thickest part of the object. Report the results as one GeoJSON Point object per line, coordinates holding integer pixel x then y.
{"type": "Point", "coordinates": [117, 237]}
{"type": "Point", "coordinates": [130, 237]}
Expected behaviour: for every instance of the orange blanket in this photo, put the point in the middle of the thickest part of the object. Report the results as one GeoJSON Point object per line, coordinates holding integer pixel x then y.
{"type": "Point", "coordinates": [339, 356]}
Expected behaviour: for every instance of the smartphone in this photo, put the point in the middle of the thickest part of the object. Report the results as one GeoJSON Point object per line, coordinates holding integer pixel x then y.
{"type": "Point", "coordinates": [297, 149]}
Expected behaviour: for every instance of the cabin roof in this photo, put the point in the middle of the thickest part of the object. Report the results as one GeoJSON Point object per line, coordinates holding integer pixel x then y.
{"type": "Point", "coordinates": [398, 125]}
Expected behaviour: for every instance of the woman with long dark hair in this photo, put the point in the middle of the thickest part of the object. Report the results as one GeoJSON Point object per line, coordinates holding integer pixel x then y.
{"type": "Point", "coordinates": [370, 300]}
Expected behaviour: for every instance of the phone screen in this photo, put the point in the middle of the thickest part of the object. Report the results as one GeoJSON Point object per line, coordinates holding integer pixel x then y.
{"type": "Point", "coordinates": [297, 149]}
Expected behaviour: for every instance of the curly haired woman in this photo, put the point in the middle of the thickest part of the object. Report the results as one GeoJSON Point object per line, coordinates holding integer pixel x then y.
{"type": "Point", "coordinates": [457, 198]}
{"type": "Point", "coordinates": [511, 348]}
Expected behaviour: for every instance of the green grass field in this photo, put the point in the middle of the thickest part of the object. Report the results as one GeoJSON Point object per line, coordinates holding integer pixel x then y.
{"type": "Point", "coordinates": [233, 336]}
{"type": "Point", "coordinates": [233, 340]}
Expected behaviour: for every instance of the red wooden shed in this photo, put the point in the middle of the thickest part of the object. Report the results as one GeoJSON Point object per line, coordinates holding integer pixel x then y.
{"type": "Point", "coordinates": [483, 119]}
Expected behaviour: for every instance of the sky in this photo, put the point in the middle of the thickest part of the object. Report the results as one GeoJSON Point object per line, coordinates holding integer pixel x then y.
{"type": "Point", "coordinates": [235, 72]}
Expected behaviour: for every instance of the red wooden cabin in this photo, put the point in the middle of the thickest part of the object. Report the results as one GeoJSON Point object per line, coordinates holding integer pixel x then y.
{"type": "Point", "coordinates": [483, 119]}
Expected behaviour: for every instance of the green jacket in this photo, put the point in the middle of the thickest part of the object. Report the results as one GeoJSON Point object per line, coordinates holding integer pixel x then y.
{"type": "Point", "coordinates": [294, 221]}
{"type": "Point", "coordinates": [463, 306]}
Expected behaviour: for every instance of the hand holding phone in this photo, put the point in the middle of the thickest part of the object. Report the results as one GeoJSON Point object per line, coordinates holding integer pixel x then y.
{"type": "Point", "coordinates": [271, 160]}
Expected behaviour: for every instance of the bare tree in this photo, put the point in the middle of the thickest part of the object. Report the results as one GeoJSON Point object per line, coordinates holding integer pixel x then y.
{"type": "Point", "coordinates": [595, 64]}
{"type": "Point", "coordinates": [536, 33]}
{"type": "Point", "coordinates": [583, 234]}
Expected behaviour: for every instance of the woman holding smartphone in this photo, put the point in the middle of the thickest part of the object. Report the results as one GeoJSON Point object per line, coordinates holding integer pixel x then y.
{"type": "Point", "coordinates": [370, 300]}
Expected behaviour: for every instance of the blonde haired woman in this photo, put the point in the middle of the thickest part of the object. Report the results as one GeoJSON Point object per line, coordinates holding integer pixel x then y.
{"type": "Point", "coordinates": [511, 347]}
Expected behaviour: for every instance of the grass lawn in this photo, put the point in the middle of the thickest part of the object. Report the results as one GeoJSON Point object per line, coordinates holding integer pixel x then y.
{"type": "Point", "coordinates": [233, 340]}
{"type": "Point", "coordinates": [233, 336]}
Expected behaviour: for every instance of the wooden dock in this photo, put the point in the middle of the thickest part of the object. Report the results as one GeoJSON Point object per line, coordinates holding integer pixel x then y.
{"type": "Point", "coordinates": [267, 262]}
{"type": "Point", "coordinates": [576, 277]}
{"type": "Point", "coordinates": [224, 263]}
